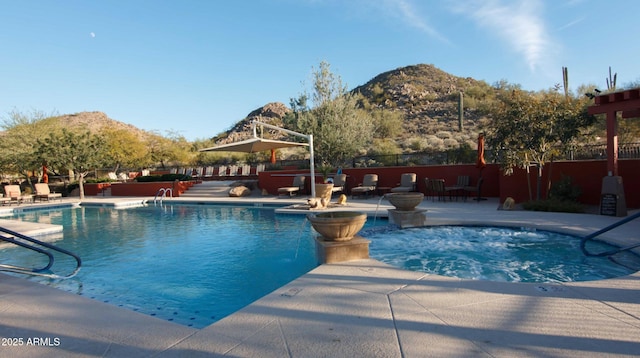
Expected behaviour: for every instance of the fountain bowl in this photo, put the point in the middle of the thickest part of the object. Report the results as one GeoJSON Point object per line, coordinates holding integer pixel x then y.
{"type": "Point", "coordinates": [405, 201]}
{"type": "Point", "coordinates": [337, 225]}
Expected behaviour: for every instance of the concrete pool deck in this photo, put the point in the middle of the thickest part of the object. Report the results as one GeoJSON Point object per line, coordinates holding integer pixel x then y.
{"type": "Point", "coordinates": [360, 308]}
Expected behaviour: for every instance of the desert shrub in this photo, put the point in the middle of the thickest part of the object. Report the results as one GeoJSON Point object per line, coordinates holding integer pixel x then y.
{"type": "Point", "coordinates": [163, 177]}
{"type": "Point", "coordinates": [417, 144]}
{"type": "Point", "coordinates": [451, 143]}
{"type": "Point", "coordinates": [99, 180]}
{"type": "Point", "coordinates": [435, 142]}
{"type": "Point", "coordinates": [564, 190]}
{"type": "Point", "coordinates": [554, 205]}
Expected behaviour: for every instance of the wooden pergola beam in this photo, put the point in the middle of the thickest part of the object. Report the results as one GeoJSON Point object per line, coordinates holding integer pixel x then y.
{"type": "Point", "coordinates": [627, 102]}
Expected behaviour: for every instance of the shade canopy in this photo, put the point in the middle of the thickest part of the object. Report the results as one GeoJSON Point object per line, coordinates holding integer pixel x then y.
{"type": "Point", "coordinates": [253, 145]}
{"type": "Point", "coordinates": [257, 144]}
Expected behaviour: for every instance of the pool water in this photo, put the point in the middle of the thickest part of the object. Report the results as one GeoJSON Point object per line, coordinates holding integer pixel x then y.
{"type": "Point", "coordinates": [493, 253]}
{"type": "Point", "coordinates": [196, 264]}
{"type": "Point", "coordinates": [189, 264]}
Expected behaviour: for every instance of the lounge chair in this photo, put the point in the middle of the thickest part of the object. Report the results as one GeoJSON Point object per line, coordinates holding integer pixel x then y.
{"type": "Point", "coordinates": [339, 182]}
{"type": "Point", "coordinates": [5, 200]}
{"type": "Point", "coordinates": [44, 193]}
{"type": "Point", "coordinates": [368, 186]}
{"type": "Point", "coordinates": [14, 194]}
{"type": "Point", "coordinates": [298, 184]}
{"type": "Point", "coordinates": [407, 183]}
{"type": "Point", "coordinates": [222, 171]}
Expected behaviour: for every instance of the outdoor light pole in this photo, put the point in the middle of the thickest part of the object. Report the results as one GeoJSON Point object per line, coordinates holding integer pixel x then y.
{"type": "Point", "coordinates": [309, 138]}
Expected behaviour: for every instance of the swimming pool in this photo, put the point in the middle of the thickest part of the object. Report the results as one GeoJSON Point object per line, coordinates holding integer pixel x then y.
{"type": "Point", "coordinates": [195, 264]}
{"type": "Point", "coordinates": [494, 253]}
{"type": "Point", "coordinates": [189, 264]}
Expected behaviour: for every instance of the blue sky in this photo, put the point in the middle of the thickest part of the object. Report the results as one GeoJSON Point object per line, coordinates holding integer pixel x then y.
{"type": "Point", "coordinates": [198, 67]}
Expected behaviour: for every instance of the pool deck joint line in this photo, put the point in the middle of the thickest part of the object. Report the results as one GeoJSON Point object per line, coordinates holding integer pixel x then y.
{"type": "Point", "coordinates": [356, 308]}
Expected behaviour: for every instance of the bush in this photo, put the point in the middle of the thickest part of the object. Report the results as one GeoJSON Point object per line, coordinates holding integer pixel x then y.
{"type": "Point", "coordinates": [554, 205]}
{"type": "Point", "coordinates": [163, 177]}
{"type": "Point", "coordinates": [99, 180]}
{"type": "Point", "coordinates": [564, 190]}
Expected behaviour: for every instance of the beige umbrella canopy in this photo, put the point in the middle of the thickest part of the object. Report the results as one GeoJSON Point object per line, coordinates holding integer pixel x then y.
{"type": "Point", "coordinates": [253, 145]}
{"type": "Point", "coordinates": [257, 144]}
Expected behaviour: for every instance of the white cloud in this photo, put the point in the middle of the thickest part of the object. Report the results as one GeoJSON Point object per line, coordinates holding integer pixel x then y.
{"type": "Point", "coordinates": [408, 14]}
{"type": "Point", "coordinates": [519, 23]}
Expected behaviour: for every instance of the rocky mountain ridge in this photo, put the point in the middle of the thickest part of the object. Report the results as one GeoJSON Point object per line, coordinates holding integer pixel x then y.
{"type": "Point", "coordinates": [427, 96]}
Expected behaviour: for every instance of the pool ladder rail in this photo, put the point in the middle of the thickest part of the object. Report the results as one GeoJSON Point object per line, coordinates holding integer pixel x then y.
{"type": "Point", "coordinates": [40, 247]}
{"type": "Point", "coordinates": [592, 236]}
{"type": "Point", "coordinates": [162, 193]}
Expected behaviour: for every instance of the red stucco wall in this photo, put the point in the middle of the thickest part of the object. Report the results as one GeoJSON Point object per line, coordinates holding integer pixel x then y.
{"type": "Point", "coordinates": [585, 174]}
{"type": "Point", "coordinates": [148, 189]}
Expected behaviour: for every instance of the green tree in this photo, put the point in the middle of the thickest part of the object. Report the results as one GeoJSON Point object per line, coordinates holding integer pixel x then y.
{"type": "Point", "coordinates": [173, 149]}
{"type": "Point", "coordinates": [79, 152]}
{"type": "Point", "coordinates": [528, 128]}
{"type": "Point", "coordinates": [125, 149]}
{"type": "Point", "coordinates": [339, 127]}
{"type": "Point", "coordinates": [18, 152]}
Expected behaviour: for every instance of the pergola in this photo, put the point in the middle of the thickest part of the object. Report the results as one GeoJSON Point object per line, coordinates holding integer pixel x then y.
{"type": "Point", "coordinates": [627, 102]}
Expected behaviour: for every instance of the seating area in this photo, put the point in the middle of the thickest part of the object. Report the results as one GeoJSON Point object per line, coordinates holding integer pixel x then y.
{"type": "Point", "coordinates": [14, 195]}
{"type": "Point", "coordinates": [339, 184]}
{"type": "Point", "coordinates": [368, 186]}
{"type": "Point", "coordinates": [221, 172]}
{"type": "Point", "coordinates": [437, 188]}
{"type": "Point", "coordinates": [407, 183]}
{"type": "Point", "coordinates": [295, 188]}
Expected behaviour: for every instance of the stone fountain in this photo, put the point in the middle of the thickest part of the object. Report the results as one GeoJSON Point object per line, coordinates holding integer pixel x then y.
{"type": "Point", "coordinates": [337, 240]}
{"type": "Point", "coordinates": [405, 214]}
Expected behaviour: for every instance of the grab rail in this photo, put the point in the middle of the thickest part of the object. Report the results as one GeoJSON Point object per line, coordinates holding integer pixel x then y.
{"type": "Point", "coordinates": [164, 192]}
{"type": "Point", "coordinates": [584, 240]}
{"type": "Point", "coordinates": [36, 271]}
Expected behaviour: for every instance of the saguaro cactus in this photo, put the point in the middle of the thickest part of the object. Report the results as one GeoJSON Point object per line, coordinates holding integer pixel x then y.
{"type": "Point", "coordinates": [611, 81]}
{"type": "Point", "coordinates": [460, 110]}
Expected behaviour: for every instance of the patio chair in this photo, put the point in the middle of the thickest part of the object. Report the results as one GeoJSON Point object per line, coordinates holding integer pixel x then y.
{"type": "Point", "coordinates": [298, 184]}
{"type": "Point", "coordinates": [5, 200]}
{"type": "Point", "coordinates": [368, 186]}
{"type": "Point", "coordinates": [407, 183]}
{"type": "Point", "coordinates": [44, 193]}
{"type": "Point", "coordinates": [460, 188]}
{"type": "Point", "coordinates": [339, 182]}
{"type": "Point", "coordinates": [14, 193]}
{"type": "Point", "coordinates": [436, 188]}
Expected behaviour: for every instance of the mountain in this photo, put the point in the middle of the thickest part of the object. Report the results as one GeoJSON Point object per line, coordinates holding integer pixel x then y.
{"type": "Point", "coordinates": [271, 113]}
{"type": "Point", "coordinates": [94, 122]}
{"type": "Point", "coordinates": [427, 96]}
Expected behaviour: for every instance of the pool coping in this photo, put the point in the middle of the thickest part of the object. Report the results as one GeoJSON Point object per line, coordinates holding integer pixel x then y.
{"type": "Point", "coordinates": [361, 308]}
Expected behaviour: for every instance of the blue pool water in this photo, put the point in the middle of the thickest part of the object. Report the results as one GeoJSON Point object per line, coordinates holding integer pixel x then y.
{"type": "Point", "coordinates": [188, 264]}
{"type": "Point", "coordinates": [194, 265]}
{"type": "Point", "coordinates": [495, 253]}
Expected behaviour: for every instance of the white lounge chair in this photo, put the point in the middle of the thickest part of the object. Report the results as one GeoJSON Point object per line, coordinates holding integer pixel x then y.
{"type": "Point", "coordinates": [369, 185]}
{"type": "Point", "coordinates": [407, 183]}
{"type": "Point", "coordinates": [44, 193]}
{"type": "Point", "coordinates": [298, 184]}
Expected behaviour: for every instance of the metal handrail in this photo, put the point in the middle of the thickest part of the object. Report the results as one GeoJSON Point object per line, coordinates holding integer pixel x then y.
{"type": "Point", "coordinates": [164, 192]}
{"type": "Point", "coordinates": [37, 271]}
{"type": "Point", "coordinates": [584, 240]}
